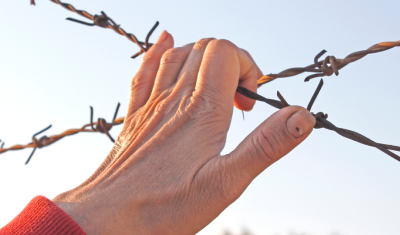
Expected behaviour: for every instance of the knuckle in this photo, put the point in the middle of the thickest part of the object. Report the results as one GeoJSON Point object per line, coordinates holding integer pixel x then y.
{"type": "Point", "coordinates": [165, 105]}
{"type": "Point", "coordinates": [247, 53]}
{"type": "Point", "coordinates": [223, 43]}
{"type": "Point", "coordinates": [193, 106]}
{"type": "Point", "coordinates": [173, 55]}
{"type": "Point", "coordinates": [161, 108]}
{"type": "Point", "coordinates": [138, 83]}
{"type": "Point", "coordinates": [202, 43]}
{"type": "Point", "coordinates": [198, 109]}
{"type": "Point", "coordinates": [151, 57]}
{"type": "Point", "coordinates": [268, 145]}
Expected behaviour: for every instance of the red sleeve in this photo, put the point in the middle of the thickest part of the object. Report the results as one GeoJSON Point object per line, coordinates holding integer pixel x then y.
{"type": "Point", "coordinates": [42, 216]}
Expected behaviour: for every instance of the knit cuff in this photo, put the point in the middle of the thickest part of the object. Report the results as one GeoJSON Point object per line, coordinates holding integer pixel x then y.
{"type": "Point", "coordinates": [42, 216]}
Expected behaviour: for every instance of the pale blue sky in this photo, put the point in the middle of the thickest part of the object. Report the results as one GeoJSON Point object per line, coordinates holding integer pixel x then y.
{"type": "Point", "coordinates": [52, 70]}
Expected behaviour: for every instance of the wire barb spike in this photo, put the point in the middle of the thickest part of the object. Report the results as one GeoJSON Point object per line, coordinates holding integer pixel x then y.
{"type": "Point", "coordinates": [326, 67]}
{"type": "Point", "coordinates": [35, 143]}
{"type": "Point", "coordinates": [314, 97]}
{"type": "Point", "coordinates": [282, 99]}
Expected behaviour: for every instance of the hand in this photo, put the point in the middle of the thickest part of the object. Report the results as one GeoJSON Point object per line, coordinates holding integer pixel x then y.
{"type": "Point", "coordinates": [165, 174]}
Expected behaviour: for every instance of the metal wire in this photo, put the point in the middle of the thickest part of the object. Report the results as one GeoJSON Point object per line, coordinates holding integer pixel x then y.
{"type": "Point", "coordinates": [101, 126]}
{"type": "Point", "coordinates": [321, 68]}
{"type": "Point", "coordinates": [106, 22]}
{"type": "Point", "coordinates": [322, 121]}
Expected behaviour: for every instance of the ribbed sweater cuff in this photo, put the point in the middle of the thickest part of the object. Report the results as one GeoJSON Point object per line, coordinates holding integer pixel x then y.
{"type": "Point", "coordinates": [42, 216]}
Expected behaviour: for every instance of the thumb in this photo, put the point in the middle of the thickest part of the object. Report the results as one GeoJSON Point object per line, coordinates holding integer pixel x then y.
{"type": "Point", "coordinates": [269, 142]}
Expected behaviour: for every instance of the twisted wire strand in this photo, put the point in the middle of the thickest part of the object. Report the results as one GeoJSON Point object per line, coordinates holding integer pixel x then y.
{"type": "Point", "coordinates": [322, 122]}
{"type": "Point", "coordinates": [329, 65]}
{"type": "Point", "coordinates": [321, 68]}
{"type": "Point", "coordinates": [106, 22]}
{"type": "Point", "coordinates": [100, 126]}
{"type": "Point", "coordinates": [46, 141]}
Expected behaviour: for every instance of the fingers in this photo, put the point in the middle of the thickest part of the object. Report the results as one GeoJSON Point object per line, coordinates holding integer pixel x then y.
{"type": "Point", "coordinates": [259, 72]}
{"type": "Point", "coordinates": [142, 83]}
{"type": "Point", "coordinates": [269, 142]}
{"type": "Point", "coordinates": [224, 66]}
{"type": "Point", "coordinates": [171, 64]}
{"type": "Point", "coordinates": [241, 102]}
{"type": "Point", "coordinates": [189, 73]}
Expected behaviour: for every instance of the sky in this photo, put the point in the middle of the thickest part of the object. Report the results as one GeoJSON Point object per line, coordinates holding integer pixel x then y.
{"type": "Point", "coordinates": [52, 70]}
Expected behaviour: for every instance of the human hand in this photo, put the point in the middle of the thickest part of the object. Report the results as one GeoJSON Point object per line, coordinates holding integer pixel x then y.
{"type": "Point", "coordinates": [165, 174]}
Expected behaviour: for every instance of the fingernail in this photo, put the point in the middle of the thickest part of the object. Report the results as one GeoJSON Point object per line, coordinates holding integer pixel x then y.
{"type": "Point", "coordinates": [300, 123]}
{"type": "Point", "coordinates": [163, 36]}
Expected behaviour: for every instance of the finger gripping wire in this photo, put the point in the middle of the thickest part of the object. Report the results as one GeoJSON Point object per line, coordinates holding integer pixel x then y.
{"type": "Point", "coordinates": [322, 122]}
{"type": "Point", "coordinates": [326, 67]}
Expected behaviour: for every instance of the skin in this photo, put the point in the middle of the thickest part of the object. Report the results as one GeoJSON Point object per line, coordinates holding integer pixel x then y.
{"type": "Point", "coordinates": [165, 174]}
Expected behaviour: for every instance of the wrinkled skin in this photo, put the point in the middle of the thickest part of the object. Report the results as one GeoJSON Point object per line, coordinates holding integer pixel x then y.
{"type": "Point", "coordinates": [165, 174]}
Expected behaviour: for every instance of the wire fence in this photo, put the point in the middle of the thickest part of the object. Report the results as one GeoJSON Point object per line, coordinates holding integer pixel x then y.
{"type": "Point", "coordinates": [320, 68]}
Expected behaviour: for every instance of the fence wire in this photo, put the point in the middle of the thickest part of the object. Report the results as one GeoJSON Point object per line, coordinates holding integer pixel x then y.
{"type": "Point", "coordinates": [106, 22]}
{"type": "Point", "coordinates": [329, 65]}
{"type": "Point", "coordinates": [326, 67]}
{"type": "Point", "coordinates": [100, 126]}
{"type": "Point", "coordinates": [322, 121]}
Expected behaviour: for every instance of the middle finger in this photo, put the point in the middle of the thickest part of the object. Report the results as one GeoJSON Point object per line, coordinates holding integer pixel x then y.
{"type": "Point", "coordinates": [171, 64]}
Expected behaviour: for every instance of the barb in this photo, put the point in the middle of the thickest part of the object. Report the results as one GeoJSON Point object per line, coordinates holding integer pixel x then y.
{"type": "Point", "coordinates": [314, 97]}
{"type": "Point", "coordinates": [319, 68]}
{"type": "Point", "coordinates": [101, 126]}
{"type": "Point", "coordinates": [282, 99]}
{"type": "Point", "coordinates": [321, 121]}
{"type": "Point", "coordinates": [106, 22]}
{"type": "Point", "coordinates": [37, 144]}
{"type": "Point", "coordinates": [322, 69]}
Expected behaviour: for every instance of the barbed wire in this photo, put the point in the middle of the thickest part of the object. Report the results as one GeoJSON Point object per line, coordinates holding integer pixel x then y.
{"type": "Point", "coordinates": [322, 121]}
{"type": "Point", "coordinates": [326, 67]}
{"type": "Point", "coordinates": [322, 68]}
{"type": "Point", "coordinates": [100, 126]}
{"type": "Point", "coordinates": [106, 22]}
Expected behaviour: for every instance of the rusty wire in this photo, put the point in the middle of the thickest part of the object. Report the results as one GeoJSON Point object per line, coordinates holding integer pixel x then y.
{"type": "Point", "coordinates": [106, 22]}
{"type": "Point", "coordinates": [322, 121]}
{"type": "Point", "coordinates": [319, 68]}
{"type": "Point", "coordinates": [100, 126]}
{"type": "Point", "coordinates": [322, 69]}
{"type": "Point", "coordinates": [326, 67]}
